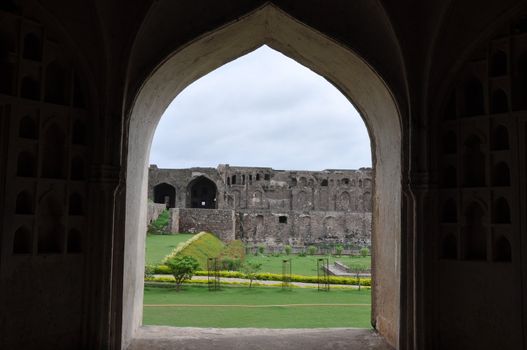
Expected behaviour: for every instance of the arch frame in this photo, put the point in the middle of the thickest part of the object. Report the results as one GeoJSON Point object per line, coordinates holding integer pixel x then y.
{"type": "Point", "coordinates": [347, 71]}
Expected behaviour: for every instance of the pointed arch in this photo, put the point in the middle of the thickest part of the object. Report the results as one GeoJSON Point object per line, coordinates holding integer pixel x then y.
{"type": "Point", "coordinates": [353, 76]}
{"type": "Point", "coordinates": [202, 193]}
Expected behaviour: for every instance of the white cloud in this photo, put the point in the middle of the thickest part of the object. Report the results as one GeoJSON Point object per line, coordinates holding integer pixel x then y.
{"type": "Point", "coordinates": [262, 109]}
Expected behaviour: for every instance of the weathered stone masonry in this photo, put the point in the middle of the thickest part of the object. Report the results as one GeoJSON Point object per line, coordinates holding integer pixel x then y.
{"type": "Point", "coordinates": [263, 205]}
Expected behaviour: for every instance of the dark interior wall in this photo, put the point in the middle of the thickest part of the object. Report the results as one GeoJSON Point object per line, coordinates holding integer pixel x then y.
{"type": "Point", "coordinates": [46, 152]}
{"type": "Point", "coordinates": [479, 154]}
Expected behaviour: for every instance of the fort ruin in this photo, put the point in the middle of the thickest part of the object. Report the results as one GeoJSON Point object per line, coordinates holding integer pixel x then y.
{"type": "Point", "coordinates": [265, 206]}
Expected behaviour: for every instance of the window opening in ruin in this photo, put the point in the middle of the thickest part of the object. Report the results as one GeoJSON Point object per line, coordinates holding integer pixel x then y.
{"type": "Point", "coordinates": [282, 219]}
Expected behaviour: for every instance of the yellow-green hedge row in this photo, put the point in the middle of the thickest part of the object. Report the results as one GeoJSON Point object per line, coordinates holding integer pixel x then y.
{"type": "Point", "coordinates": [265, 276]}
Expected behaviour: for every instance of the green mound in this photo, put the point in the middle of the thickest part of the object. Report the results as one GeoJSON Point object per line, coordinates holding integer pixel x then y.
{"type": "Point", "coordinates": [202, 246]}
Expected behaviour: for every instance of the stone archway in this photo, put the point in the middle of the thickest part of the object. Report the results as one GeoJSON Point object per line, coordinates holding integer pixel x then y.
{"type": "Point", "coordinates": [165, 194]}
{"type": "Point", "coordinates": [202, 193]}
{"type": "Point", "coordinates": [341, 66]}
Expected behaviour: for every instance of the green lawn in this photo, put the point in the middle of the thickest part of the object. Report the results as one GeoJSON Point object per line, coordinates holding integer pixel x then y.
{"type": "Point", "coordinates": [158, 246]}
{"type": "Point", "coordinates": [306, 265]}
{"type": "Point", "coordinates": [260, 307]}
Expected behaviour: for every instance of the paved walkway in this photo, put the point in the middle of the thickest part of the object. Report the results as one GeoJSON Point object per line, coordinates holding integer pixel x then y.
{"type": "Point", "coordinates": [188, 338]}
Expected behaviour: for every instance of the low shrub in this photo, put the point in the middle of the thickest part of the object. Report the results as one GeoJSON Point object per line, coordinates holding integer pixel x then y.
{"type": "Point", "coordinates": [231, 264]}
{"type": "Point", "coordinates": [364, 252]}
{"type": "Point", "coordinates": [288, 249]}
{"type": "Point", "coordinates": [311, 250]}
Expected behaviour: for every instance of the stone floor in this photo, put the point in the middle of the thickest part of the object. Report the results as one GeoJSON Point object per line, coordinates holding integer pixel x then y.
{"type": "Point", "coordinates": [163, 338]}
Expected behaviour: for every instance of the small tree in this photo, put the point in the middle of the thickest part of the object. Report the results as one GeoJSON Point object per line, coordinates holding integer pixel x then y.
{"type": "Point", "coordinates": [261, 249]}
{"type": "Point", "coordinates": [364, 252]}
{"type": "Point", "coordinates": [357, 271]}
{"type": "Point", "coordinates": [250, 269]}
{"type": "Point", "coordinates": [288, 249]}
{"type": "Point", "coordinates": [338, 249]}
{"type": "Point", "coordinates": [311, 250]}
{"type": "Point", "coordinates": [182, 268]}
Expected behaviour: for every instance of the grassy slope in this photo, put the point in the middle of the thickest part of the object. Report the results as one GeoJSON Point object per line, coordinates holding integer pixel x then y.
{"type": "Point", "coordinates": [304, 265]}
{"type": "Point", "coordinates": [207, 246]}
{"type": "Point", "coordinates": [269, 317]}
{"type": "Point", "coordinates": [158, 246]}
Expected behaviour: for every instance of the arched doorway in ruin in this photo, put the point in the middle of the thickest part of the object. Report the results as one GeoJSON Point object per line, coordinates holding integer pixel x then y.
{"type": "Point", "coordinates": [201, 193]}
{"type": "Point", "coordinates": [356, 79]}
{"type": "Point", "coordinates": [165, 194]}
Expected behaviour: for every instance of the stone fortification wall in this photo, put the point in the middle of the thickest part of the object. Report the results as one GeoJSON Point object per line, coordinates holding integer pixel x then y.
{"type": "Point", "coordinates": [153, 211]}
{"type": "Point", "coordinates": [300, 229]}
{"type": "Point", "coordinates": [328, 206]}
{"type": "Point", "coordinates": [221, 222]}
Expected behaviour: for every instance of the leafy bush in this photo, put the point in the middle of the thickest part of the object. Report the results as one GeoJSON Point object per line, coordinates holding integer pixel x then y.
{"type": "Point", "coordinates": [202, 246]}
{"type": "Point", "coordinates": [338, 249]}
{"type": "Point", "coordinates": [250, 269]}
{"type": "Point", "coordinates": [364, 252]}
{"type": "Point", "coordinates": [261, 249]}
{"type": "Point", "coordinates": [182, 268]}
{"type": "Point", "coordinates": [231, 264]}
{"type": "Point", "coordinates": [149, 270]}
{"type": "Point", "coordinates": [288, 249]}
{"type": "Point", "coordinates": [311, 250]}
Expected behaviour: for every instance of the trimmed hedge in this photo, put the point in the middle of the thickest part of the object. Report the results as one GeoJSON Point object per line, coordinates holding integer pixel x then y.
{"type": "Point", "coordinates": [310, 279]}
{"type": "Point", "coordinates": [265, 276]}
{"type": "Point", "coordinates": [202, 246]}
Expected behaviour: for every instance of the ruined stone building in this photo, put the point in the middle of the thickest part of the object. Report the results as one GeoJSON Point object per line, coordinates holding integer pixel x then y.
{"type": "Point", "coordinates": [263, 205]}
{"type": "Point", "coordinates": [441, 86]}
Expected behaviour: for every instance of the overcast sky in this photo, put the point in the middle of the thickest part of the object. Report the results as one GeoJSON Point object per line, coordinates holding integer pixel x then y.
{"type": "Point", "coordinates": [262, 109]}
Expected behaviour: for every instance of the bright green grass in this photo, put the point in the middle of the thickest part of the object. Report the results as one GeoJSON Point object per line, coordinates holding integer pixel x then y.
{"type": "Point", "coordinates": [306, 265]}
{"type": "Point", "coordinates": [158, 246]}
{"type": "Point", "coordinates": [274, 316]}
